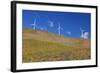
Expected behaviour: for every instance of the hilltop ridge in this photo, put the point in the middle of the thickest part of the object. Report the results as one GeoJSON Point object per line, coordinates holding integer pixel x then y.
{"type": "Point", "coordinates": [51, 37]}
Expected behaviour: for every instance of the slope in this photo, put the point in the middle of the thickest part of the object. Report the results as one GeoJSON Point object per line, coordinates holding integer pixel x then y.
{"type": "Point", "coordinates": [39, 46]}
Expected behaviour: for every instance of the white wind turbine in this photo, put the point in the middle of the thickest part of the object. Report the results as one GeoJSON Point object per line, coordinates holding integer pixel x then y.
{"type": "Point", "coordinates": [82, 33]}
{"type": "Point", "coordinates": [34, 24]}
{"type": "Point", "coordinates": [59, 29]}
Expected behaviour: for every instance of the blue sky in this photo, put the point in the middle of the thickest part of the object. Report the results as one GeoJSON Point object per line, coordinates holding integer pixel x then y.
{"type": "Point", "coordinates": [70, 22]}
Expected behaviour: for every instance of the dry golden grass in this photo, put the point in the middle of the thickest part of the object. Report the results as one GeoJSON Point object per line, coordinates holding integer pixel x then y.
{"type": "Point", "coordinates": [42, 49]}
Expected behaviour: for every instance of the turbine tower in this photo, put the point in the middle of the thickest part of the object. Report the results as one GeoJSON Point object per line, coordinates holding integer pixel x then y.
{"type": "Point", "coordinates": [82, 33]}
{"type": "Point", "coordinates": [59, 29]}
{"type": "Point", "coordinates": [34, 25]}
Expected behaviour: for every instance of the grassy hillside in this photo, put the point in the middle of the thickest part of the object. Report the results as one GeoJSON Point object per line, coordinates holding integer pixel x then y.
{"type": "Point", "coordinates": [41, 46]}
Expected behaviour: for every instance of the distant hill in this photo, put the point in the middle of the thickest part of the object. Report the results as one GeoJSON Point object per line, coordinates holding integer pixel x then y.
{"type": "Point", "coordinates": [45, 46]}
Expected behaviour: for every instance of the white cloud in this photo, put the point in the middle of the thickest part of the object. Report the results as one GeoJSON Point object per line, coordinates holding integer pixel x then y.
{"type": "Point", "coordinates": [85, 35]}
{"type": "Point", "coordinates": [41, 28]}
{"type": "Point", "coordinates": [45, 28]}
{"type": "Point", "coordinates": [51, 23]}
{"type": "Point", "coordinates": [69, 33]}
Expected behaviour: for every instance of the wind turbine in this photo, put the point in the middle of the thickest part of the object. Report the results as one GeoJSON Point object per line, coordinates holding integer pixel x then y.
{"type": "Point", "coordinates": [82, 33]}
{"type": "Point", "coordinates": [34, 24]}
{"type": "Point", "coordinates": [59, 29]}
